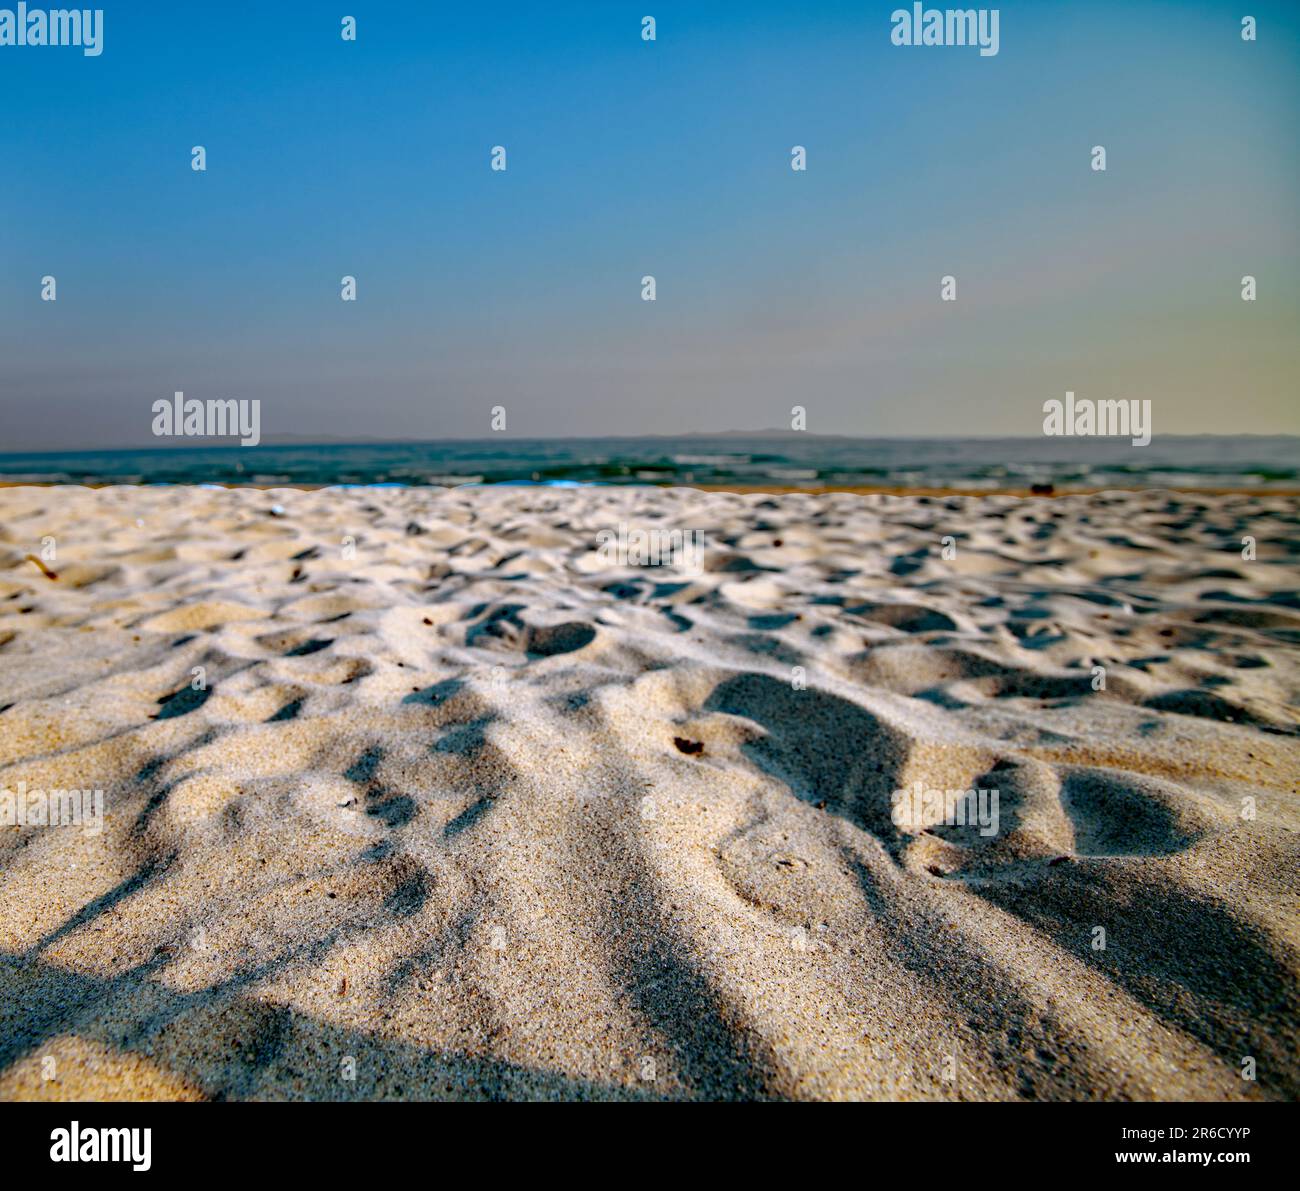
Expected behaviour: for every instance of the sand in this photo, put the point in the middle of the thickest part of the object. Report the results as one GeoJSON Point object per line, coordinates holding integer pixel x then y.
{"type": "Point", "coordinates": [464, 807]}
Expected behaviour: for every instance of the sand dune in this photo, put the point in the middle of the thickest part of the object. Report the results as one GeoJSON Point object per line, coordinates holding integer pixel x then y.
{"type": "Point", "coordinates": [462, 808]}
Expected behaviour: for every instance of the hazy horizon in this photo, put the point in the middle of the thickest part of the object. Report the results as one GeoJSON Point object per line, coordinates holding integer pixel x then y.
{"type": "Point", "coordinates": [200, 443]}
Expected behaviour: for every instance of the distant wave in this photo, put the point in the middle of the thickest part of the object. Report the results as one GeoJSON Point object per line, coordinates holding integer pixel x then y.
{"type": "Point", "coordinates": [970, 464]}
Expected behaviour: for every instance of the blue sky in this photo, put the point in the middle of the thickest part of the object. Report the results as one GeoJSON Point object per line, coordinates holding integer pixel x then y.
{"type": "Point", "coordinates": [522, 288]}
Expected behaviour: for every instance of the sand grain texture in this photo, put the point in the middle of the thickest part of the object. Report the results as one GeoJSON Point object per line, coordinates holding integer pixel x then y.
{"type": "Point", "coordinates": [470, 811]}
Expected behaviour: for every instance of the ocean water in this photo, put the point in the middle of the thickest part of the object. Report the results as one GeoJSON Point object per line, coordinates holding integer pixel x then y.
{"type": "Point", "coordinates": [791, 461]}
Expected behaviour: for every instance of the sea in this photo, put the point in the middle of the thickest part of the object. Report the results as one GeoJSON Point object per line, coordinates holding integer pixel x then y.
{"type": "Point", "coordinates": [727, 460]}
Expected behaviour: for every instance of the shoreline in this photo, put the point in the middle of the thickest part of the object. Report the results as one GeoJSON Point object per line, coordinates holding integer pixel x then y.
{"type": "Point", "coordinates": [737, 489]}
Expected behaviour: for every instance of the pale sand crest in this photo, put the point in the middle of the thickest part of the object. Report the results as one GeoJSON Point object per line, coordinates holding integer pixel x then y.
{"type": "Point", "coordinates": [433, 812]}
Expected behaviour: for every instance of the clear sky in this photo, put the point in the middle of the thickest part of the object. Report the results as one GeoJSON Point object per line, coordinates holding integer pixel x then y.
{"type": "Point", "coordinates": [672, 158]}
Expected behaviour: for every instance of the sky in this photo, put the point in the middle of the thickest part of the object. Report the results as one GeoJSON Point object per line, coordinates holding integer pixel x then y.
{"type": "Point", "coordinates": [522, 289]}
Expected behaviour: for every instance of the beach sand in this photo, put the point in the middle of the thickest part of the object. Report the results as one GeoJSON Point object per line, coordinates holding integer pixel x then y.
{"type": "Point", "coordinates": [418, 793]}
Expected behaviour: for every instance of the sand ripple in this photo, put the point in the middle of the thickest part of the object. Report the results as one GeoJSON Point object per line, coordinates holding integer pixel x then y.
{"type": "Point", "coordinates": [460, 808]}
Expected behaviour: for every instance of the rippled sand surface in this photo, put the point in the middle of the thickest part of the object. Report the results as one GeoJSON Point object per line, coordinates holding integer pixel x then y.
{"type": "Point", "coordinates": [418, 793]}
